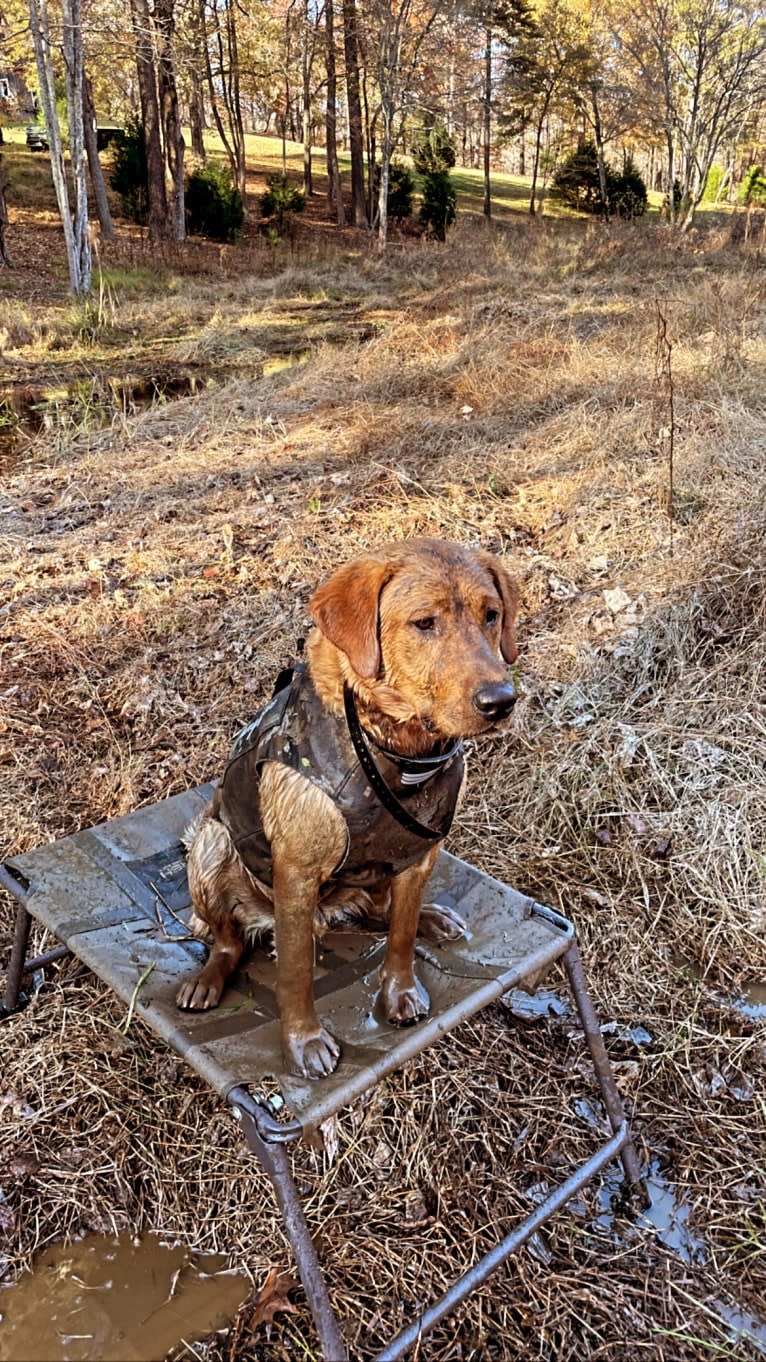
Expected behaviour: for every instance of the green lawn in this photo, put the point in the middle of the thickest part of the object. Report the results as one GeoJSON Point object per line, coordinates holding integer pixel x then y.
{"type": "Point", "coordinates": [30, 183]}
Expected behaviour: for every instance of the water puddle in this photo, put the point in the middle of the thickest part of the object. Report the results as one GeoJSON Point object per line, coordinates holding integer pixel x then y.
{"type": "Point", "coordinates": [115, 1300]}
{"type": "Point", "coordinates": [27, 410]}
{"type": "Point", "coordinates": [278, 363]}
{"type": "Point", "coordinates": [741, 1326]}
{"type": "Point", "coordinates": [537, 1006]}
{"type": "Point", "coordinates": [752, 1003]}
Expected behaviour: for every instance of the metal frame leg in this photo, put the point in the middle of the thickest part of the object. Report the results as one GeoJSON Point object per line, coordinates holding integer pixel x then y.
{"type": "Point", "coordinates": [262, 1132]}
{"type": "Point", "coordinates": [19, 965]}
{"type": "Point", "coordinates": [276, 1162]}
{"type": "Point", "coordinates": [18, 956]}
{"type": "Point", "coordinates": [612, 1100]}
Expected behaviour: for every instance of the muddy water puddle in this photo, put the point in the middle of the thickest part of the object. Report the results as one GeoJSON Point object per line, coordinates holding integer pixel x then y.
{"type": "Point", "coordinates": [115, 1300]}
{"type": "Point", "coordinates": [88, 403]}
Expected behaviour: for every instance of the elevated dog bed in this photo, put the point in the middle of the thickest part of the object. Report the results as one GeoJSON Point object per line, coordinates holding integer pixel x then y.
{"type": "Point", "coordinates": [116, 896]}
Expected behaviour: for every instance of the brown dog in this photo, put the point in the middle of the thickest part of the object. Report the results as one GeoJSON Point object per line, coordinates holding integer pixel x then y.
{"type": "Point", "coordinates": [337, 797]}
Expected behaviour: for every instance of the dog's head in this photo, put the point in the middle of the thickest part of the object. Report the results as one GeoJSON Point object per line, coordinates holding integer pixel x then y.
{"type": "Point", "coordinates": [434, 623]}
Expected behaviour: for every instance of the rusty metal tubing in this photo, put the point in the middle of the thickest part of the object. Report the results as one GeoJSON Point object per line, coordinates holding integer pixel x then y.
{"type": "Point", "coordinates": [18, 954]}
{"type": "Point", "coordinates": [275, 1160]}
{"type": "Point", "coordinates": [14, 882]}
{"type": "Point", "coordinates": [269, 1128]}
{"type": "Point", "coordinates": [47, 958]}
{"type": "Point", "coordinates": [609, 1091]}
{"type": "Point", "coordinates": [18, 966]}
{"type": "Point", "coordinates": [480, 1271]}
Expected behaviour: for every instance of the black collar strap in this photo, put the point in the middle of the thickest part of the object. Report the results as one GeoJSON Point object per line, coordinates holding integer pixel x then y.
{"type": "Point", "coordinates": [386, 796]}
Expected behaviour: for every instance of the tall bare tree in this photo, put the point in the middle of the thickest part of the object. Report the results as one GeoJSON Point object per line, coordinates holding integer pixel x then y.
{"type": "Point", "coordinates": [173, 142]}
{"type": "Point", "coordinates": [94, 165]}
{"type": "Point", "coordinates": [334, 187]}
{"type": "Point", "coordinates": [221, 51]}
{"type": "Point", "coordinates": [699, 68]}
{"type": "Point", "coordinates": [487, 120]}
{"type": "Point", "coordinates": [5, 259]}
{"type": "Point", "coordinates": [355, 135]}
{"type": "Point", "coordinates": [76, 238]}
{"type": "Point", "coordinates": [398, 30]}
{"type": "Point", "coordinates": [150, 117]}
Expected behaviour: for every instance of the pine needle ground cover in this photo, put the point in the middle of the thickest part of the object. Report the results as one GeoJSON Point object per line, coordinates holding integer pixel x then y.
{"type": "Point", "coordinates": [155, 570]}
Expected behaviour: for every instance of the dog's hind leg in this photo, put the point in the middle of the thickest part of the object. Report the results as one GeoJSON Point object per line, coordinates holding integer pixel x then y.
{"type": "Point", "coordinates": [437, 922]}
{"type": "Point", "coordinates": [226, 903]}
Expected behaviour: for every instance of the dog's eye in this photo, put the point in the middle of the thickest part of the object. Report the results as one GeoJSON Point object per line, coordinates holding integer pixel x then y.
{"type": "Point", "coordinates": [425, 625]}
{"type": "Point", "coordinates": [492, 616]}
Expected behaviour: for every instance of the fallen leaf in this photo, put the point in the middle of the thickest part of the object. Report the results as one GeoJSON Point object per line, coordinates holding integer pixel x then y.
{"type": "Point", "coordinates": [616, 599]}
{"type": "Point", "coordinates": [415, 1209]}
{"type": "Point", "coordinates": [637, 823]}
{"type": "Point", "coordinates": [272, 1298]}
{"type": "Point", "coordinates": [23, 1166]}
{"type": "Point", "coordinates": [593, 895]}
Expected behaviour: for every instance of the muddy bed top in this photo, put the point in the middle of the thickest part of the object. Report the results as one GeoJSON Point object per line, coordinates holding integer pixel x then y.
{"type": "Point", "coordinates": [117, 896]}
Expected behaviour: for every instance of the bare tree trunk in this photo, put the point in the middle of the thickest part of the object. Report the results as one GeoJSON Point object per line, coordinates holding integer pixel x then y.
{"type": "Point", "coordinates": [487, 120]}
{"type": "Point", "coordinates": [164, 21]}
{"type": "Point", "coordinates": [369, 149]}
{"type": "Point", "coordinates": [334, 186]}
{"type": "Point", "coordinates": [74, 62]}
{"type": "Point", "coordinates": [600, 157]}
{"type": "Point", "coordinates": [5, 259]}
{"type": "Point", "coordinates": [94, 165]}
{"type": "Point", "coordinates": [351, 48]}
{"type": "Point", "coordinates": [150, 117]}
{"type": "Point", "coordinates": [306, 63]}
{"type": "Point", "coordinates": [40, 29]}
{"type": "Point", "coordinates": [197, 119]}
{"type": "Point", "coordinates": [233, 97]}
{"type": "Point", "coordinates": [224, 83]}
{"type": "Point", "coordinates": [671, 197]}
{"type": "Point", "coordinates": [536, 164]}
{"type": "Point", "coordinates": [385, 169]}
{"type": "Point", "coordinates": [196, 39]}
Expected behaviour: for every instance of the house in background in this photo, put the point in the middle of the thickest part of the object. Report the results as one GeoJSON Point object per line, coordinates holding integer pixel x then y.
{"type": "Point", "coordinates": [16, 99]}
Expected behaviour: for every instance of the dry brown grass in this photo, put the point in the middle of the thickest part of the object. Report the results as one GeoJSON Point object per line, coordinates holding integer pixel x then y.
{"type": "Point", "coordinates": [155, 576]}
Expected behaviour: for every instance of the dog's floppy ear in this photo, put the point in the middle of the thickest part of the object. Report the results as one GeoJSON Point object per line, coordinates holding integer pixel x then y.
{"type": "Point", "coordinates": [346, 610]}
{"type": "Point", "coordinates": [509, 593]}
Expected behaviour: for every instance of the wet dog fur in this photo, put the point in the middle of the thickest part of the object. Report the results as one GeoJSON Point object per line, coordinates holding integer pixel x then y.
{"type": "Point", "coordinates": [421, 631]}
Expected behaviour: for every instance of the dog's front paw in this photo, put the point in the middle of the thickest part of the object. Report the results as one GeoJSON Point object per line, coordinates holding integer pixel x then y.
{"type": "Point", "coordinates": [439, 923]}
{"type": "Point", "coordinates": [403, 1000]}
{"type": "Point", "coordinates": [312, 1054]}
{"type": "Point", "coordinates": [200, 993]}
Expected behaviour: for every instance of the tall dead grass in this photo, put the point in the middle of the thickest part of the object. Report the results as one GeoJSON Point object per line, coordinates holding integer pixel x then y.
{"type": "Point", "coordinates": [157, 575]}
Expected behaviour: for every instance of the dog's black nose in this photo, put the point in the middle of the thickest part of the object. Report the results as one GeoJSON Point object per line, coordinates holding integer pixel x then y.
{"type": "Point", "coordinates": [495, 702]}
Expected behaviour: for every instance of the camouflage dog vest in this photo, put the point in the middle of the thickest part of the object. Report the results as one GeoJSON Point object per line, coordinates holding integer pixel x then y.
{"type": "Point", "coordinates": [394, 807]}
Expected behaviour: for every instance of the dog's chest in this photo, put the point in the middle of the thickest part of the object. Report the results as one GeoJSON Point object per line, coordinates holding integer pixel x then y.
{"type": "Point", "coordinates": [296, 729]}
